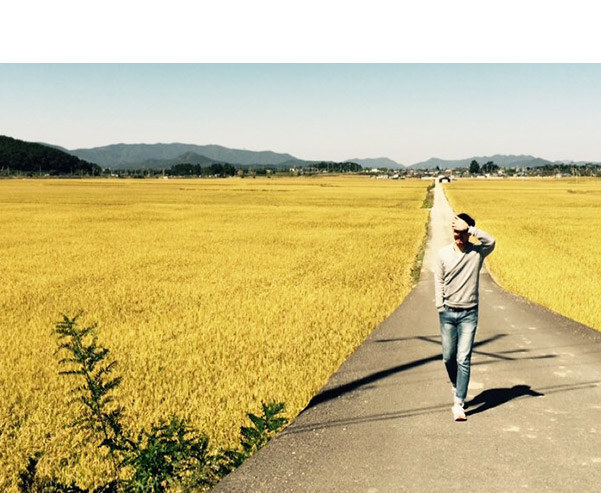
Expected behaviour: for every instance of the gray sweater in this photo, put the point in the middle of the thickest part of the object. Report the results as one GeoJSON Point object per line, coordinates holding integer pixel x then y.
{"type": "Point", "coordinates": [456, 274]}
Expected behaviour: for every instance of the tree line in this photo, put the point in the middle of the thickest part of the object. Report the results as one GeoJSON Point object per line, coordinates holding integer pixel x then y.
{"type": "Point", "coordinates": [225, 169]}
{"type": "Point", "coordinates": [588, 169]}
{"type": "Point", "coordinates": [30, 159]}
{"type": "Point", "coordinates": [18, 157]}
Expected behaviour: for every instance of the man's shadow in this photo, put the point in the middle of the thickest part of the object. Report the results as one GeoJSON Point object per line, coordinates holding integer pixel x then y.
{"type": "Point", "coordinates": [495, 397]}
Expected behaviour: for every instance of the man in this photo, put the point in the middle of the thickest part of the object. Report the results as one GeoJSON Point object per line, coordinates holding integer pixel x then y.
{"type": "Point", "coordinates": [456, 280]}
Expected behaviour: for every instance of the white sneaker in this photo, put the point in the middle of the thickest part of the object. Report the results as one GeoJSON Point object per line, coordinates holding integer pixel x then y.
{"type": "Point", "coordinates": [458, 413]}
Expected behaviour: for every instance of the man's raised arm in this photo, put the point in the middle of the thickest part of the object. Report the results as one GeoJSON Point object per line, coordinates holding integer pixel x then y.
{"type": "Point", "coordinates": [487, 241]}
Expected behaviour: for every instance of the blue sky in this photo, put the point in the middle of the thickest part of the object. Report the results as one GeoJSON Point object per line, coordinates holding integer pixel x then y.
{"type": "Point", "coordinates": [407, 112]}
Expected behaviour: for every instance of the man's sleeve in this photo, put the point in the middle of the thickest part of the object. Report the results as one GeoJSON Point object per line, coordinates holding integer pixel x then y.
{"type": "Point", "coordinates": [487, 241]}
{"type": "Point", "coordinates": [439, 283]}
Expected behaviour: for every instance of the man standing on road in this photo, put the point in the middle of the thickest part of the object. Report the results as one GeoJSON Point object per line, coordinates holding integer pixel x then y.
{"type": "Point", "coordinates": [456, 280]}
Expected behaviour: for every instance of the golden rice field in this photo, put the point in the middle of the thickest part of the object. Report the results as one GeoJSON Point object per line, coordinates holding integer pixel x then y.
{"type": "Point", "coordinates": [213, 295]}
{"type": "Point", "coordinates": [549, 239]}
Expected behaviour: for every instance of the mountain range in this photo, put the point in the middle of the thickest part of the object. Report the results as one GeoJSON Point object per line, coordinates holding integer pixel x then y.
{"type": "Point", "coordinates": [502, 160]}
{"type": "Point", "coordinates": [158, 155]}
{"type": "Point", "coordinates": [166, 155]}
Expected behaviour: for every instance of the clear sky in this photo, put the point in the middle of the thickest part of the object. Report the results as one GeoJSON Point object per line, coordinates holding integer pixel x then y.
{"type": "Point", "coordinates": [407, 112]}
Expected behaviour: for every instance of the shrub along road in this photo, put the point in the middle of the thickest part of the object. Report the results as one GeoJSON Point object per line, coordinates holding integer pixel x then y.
{"type": "Point", "coordinates": [383, 422]}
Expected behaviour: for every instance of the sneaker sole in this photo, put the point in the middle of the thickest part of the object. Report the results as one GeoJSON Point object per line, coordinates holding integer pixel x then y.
{"type": "Point", "coordinates": [457, 416]}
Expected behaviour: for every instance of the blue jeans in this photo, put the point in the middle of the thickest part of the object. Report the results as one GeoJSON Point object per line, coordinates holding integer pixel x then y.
{"type": "Point", "coordinates": [458, 330]}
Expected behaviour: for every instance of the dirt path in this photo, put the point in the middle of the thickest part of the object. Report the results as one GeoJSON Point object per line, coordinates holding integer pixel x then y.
{"type": "Point", "coordinates": [383, 422]}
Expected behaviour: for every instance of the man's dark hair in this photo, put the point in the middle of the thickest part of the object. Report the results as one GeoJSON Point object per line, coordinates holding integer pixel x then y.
{"type": "Point", "coordinates": [468, 219]}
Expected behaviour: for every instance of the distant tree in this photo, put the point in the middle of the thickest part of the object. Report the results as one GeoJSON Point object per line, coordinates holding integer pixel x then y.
{"type": "Point", "coordinates": [186, 169]}
{"type": "Point", "coordinates": [228, 170]}
{"type": "Point", "coordinates": [216, 169]}
{"type": "Point", "coordinates": [489, 167]}
{"type": "Point", "coordinates": [337, 167]}
{"type": "Point", "coordinates": [474, 167]}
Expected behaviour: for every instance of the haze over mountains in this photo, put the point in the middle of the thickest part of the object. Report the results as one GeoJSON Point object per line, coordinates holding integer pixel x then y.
{"type": "Point", "coordinates": [502, 160]}
{"type": "Point", "coordinates": [160, 155]}
{"type": "Point", "coordinates": [150, 155]}
{"type": "Point", "coordinates": [157, 156]}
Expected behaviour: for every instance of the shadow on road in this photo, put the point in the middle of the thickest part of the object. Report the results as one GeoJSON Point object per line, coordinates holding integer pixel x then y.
{"type": "Point", "coordinates": [495, 397]}
{"type": "Point", "coordinates": [486, 400]}
{"type": "Point", "coordinates": [332, 393]}
{"type": "Point", "coordinates": [402, 339]}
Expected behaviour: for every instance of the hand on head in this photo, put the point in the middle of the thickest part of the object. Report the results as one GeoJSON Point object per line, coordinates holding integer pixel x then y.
{"type": "Point", "coordinates": [459, 225]}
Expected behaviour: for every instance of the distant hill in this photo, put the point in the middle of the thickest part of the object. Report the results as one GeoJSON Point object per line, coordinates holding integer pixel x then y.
{"type": "Point", "coordinates": [502, 160]}
{"type": "Point", "coordinates": [30, 157]}
{"type": "Point", "coordinates": [194, 158]}
{"type": "Point", "coordinates": [119, 156]}
{"type": "Point", "coordinates": [378, 162]}
{"type": "Point", "coordinates": [54, 147]}
{"type": "Point", "coordinates": [185, 158]}
{"type": "Point", "coordinates": [152, 155]}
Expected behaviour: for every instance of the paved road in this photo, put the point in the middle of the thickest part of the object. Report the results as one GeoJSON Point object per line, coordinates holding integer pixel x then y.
{"type": "Point", "coordinates": [383, 422]}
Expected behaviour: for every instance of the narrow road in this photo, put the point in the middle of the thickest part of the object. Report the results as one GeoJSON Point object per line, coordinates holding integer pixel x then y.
{"type": "Point", "coordinates": [383, 422]}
